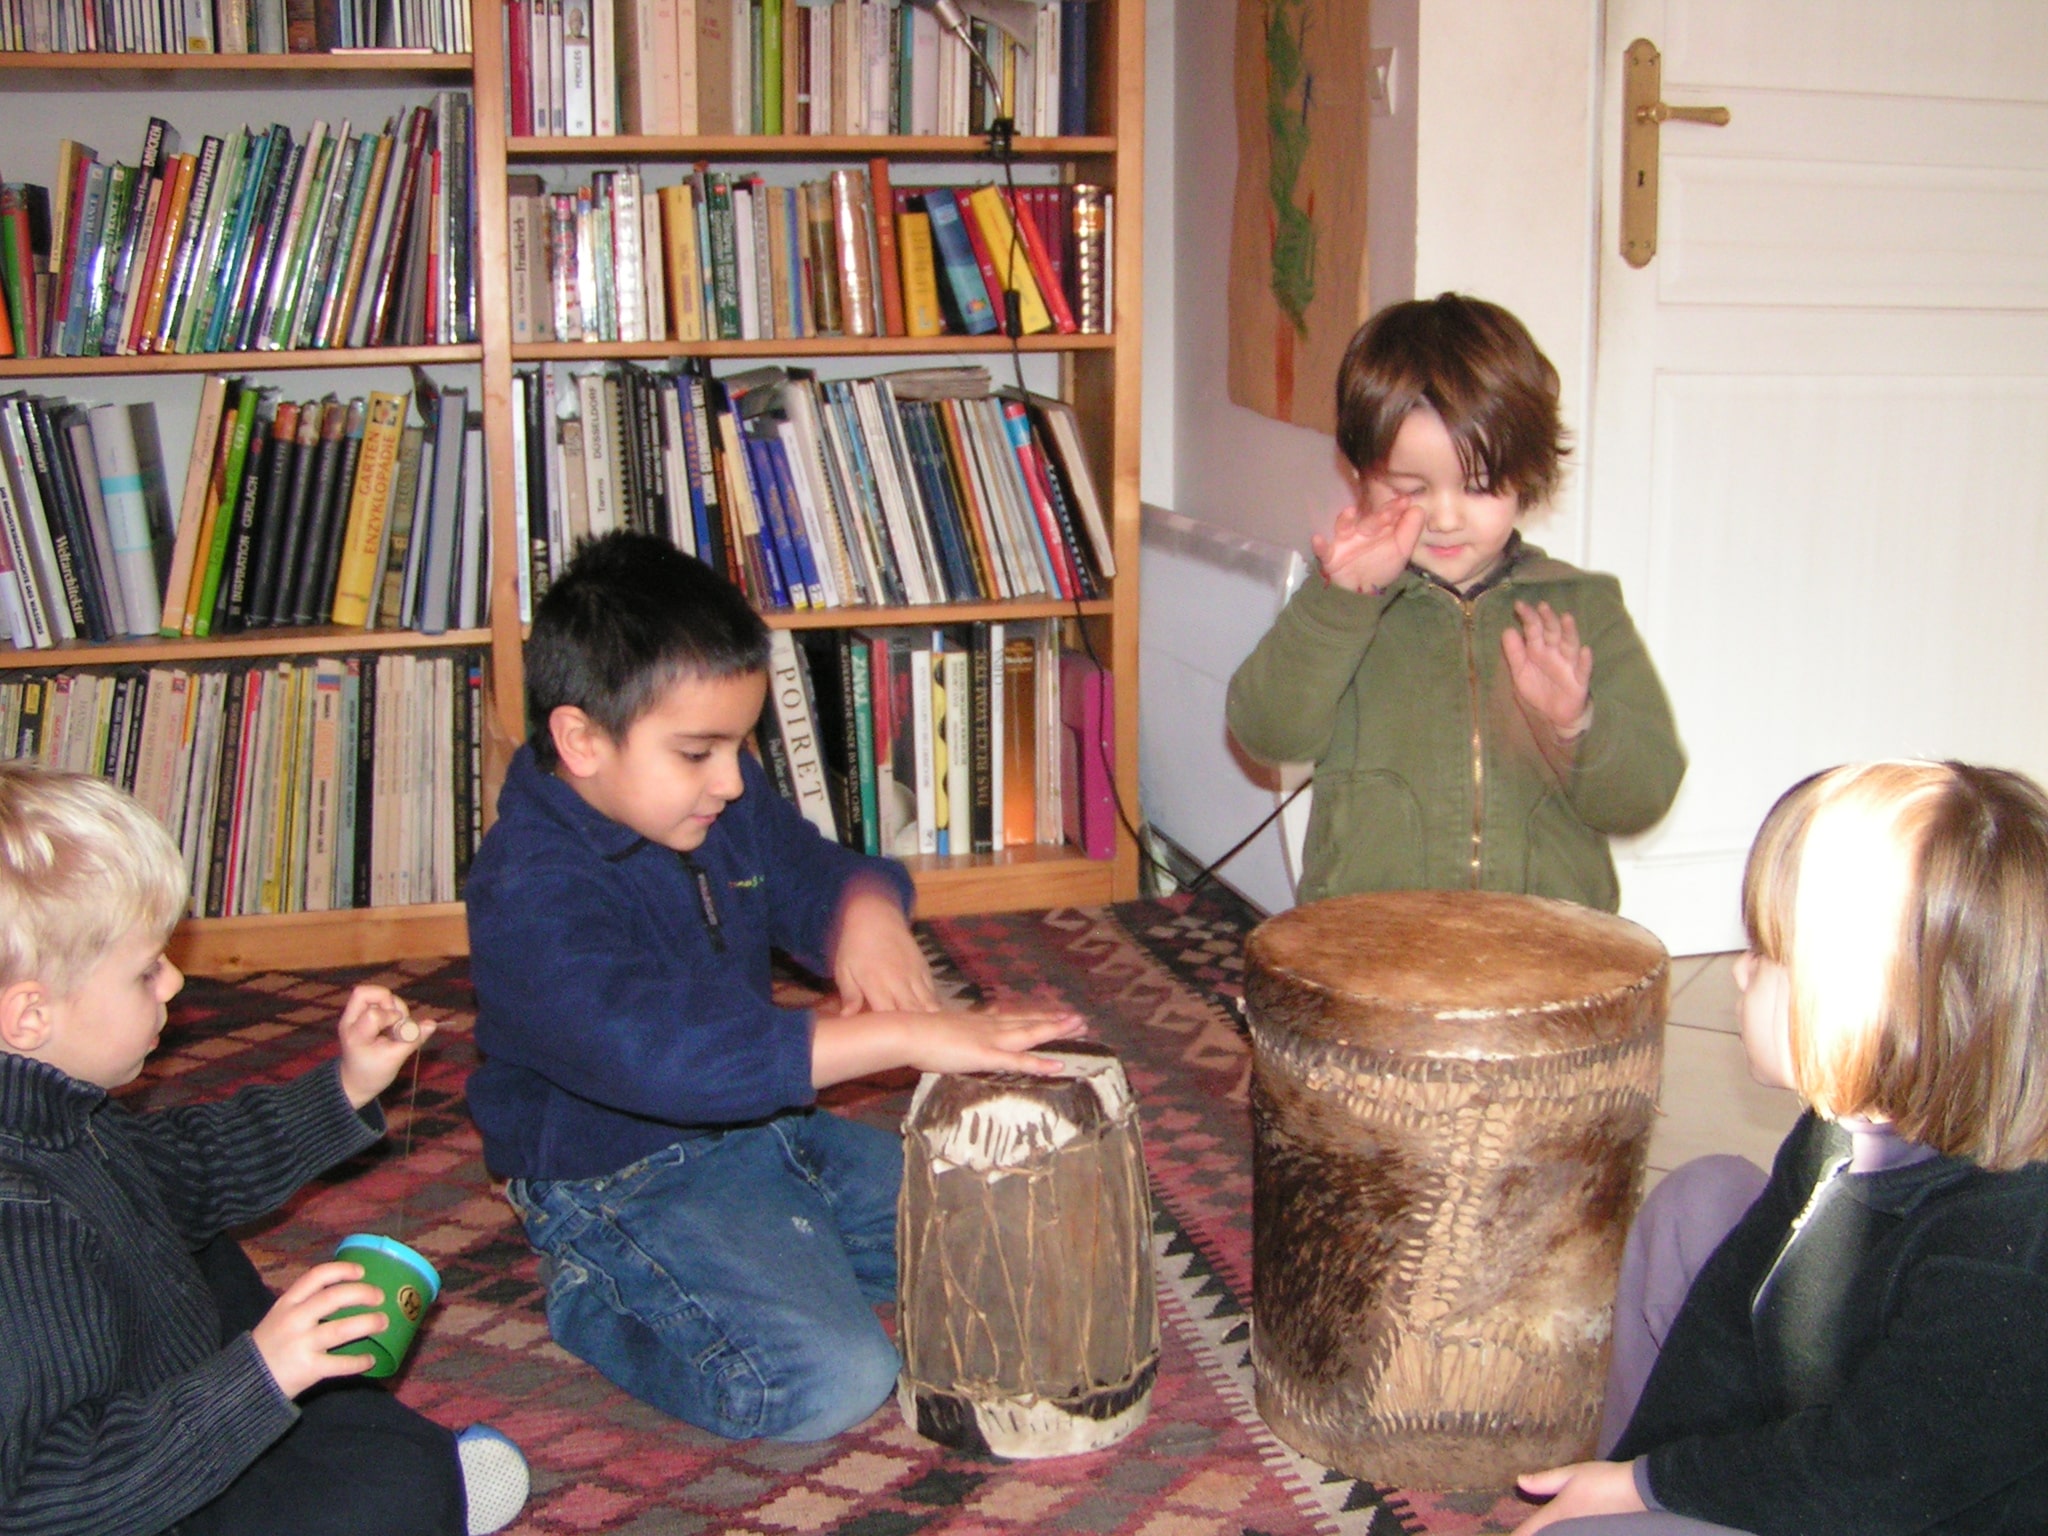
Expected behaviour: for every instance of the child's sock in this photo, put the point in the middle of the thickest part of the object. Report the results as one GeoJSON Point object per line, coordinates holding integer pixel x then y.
{"type": "Point", "coordinates": [494, 1478]}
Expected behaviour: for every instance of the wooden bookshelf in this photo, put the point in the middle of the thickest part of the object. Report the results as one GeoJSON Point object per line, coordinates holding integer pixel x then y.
{"type": "Point", "coordinates": [1099, 374]}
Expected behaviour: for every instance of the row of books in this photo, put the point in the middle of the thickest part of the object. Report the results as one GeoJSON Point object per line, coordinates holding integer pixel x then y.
{"type": "Point", "coordinates": [257, 241]}
{"type": "Point", "coordinates": [723, 257]}
{"type": "Point", "coordinates": [320, 512]}
{"type": "Point", "coordinates": [231, 26]}
{"type": "Point", "coordinates": [84, 517]}
{"type": "Point", "coordinates": [291, 786]}
{"type": "Point", "coordinates": [580, 68]}
{"type": "Point", "coordinates": [964, 739]}
{"type": "Point", "coordinates": [910, 488]}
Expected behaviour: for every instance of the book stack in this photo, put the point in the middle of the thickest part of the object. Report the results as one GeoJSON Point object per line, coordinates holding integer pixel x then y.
{"type": "Point", "coordinates": [328, 512]}
{"type": "Point", "coordinates": [686, 67]}
{"type": "Point", "coordinates": [906, 740]}
{"type": "Point", "coordinates": [84, 520]}
{"type": "Point", "coordinates": [259, 241]}
{"type": "Point", "coordinates": [230, 26]}
{"type": "Point", "coordinates": [913, 487]}
{"type": "Point", "coordinates": [291, 786]}
{"type": "Point", "coordinates": [719, 256]}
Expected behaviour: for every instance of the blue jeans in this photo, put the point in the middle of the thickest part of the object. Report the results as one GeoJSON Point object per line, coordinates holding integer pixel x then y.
{"type": "Point", "coordinates": [730, 1279]}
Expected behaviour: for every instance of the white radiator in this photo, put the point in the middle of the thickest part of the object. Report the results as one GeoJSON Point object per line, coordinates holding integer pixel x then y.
{"type": "Point", "coordinates": [1210, 594]}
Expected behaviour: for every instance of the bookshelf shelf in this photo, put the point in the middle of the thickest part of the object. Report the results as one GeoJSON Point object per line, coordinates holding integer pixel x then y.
{"type": "Point", "coordinates": [319, 640]}
{"type": "Point", "coordinates": [806, 346]}
{"type": "Point", "coordinates": [224, 946]}
{"type": "Point", "coordinates": [1015, 880]}
{"type": "Point", "coordinates": [904, 147]}
{"type": "Point", "coordinates": [935, 613]}
{"type": "Point", "coordinates": [236, 362]}
{"type": "Point", "coordinates": [187, 71]}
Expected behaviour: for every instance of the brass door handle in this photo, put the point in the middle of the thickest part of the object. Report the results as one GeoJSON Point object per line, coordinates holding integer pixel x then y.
{"type": "Point", "coordinates": [1643, 111]}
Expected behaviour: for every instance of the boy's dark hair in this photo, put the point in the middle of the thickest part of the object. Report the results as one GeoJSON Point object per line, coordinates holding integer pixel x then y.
{"type": "Point", "coordinates": [1479, 368]}
{"type": "Point", "coordinates": [629, 615]}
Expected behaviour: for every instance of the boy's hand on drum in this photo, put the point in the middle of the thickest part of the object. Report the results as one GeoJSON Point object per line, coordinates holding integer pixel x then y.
{"type": "Point", "coordinates": [876, 963]}
{"type": "Point", "coordinates": [1552, 672]}
{"type": "Point", "coordinates": [1584, 1488]}
{"type": "Point", "coordinates": [990, 1042]}
{"type": "Point", "coordinates": [855, 1045]}
{"type": "Point", "coordinates": [1365, 550]}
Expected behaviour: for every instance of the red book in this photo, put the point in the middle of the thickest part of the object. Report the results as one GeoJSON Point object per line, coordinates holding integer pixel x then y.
{"type": "Point", "coordinates": [1087, 747]}
{"type": "Point", "coordinates": [987, 263]}
{"type": "Point", "coordinates": [1018, 425]}
{"type": "Point", "coordinates": [519, 58]}
{"type": "Point", "coordinates": [60, 299]}
{"type": "Point", "coordinates": [1042, 268]}
{"type": "Point", "coordinates": [890, 277]}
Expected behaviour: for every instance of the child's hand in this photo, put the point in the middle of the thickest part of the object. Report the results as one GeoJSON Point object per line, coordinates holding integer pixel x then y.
{"type": "Point", "coordinates": [1552, 672]}
{"type": "Point", "coordinates": [378, 1032]}
{"type": "Point", "coordinates": [990, 1042]}
{"type": "Point", "coordinates": [876, 962]}
{"type": "Point", "coordinates": [1366, 550]}
{"type": "Point", "coordinates": [1585, 1488]}
{"type": "Point", "coordinates": [294, 1341]}
{"type": "Point", "coordinates": [856, 1045]}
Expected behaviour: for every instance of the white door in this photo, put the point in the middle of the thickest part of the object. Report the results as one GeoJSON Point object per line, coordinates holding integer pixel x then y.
{"type": "Point", "coordinates": [1819, 446]}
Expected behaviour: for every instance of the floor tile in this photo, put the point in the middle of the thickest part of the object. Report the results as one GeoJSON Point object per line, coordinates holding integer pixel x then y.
{"type": "Point", "coordinates": [1708, 998]}
{"type": "Point", "coordinates": [1711, 1104]}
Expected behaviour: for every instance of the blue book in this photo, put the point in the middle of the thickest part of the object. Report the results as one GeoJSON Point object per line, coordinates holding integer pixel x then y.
{"type": "Point", "coordinates": [700, 526]}
{"type": "Point", "coordinates": [914, 419]}
{"type": "Point", "coordinates": [777, 453]}
{"type": "Point", "coordinates": [960, 286]}
{"type": "Point", "coordinates": [778, 561]}
{"type": "Point", "coordinates": [840, 395]}
{"type": "Point", "coordinates": [85, 250]}
{"type": "Point", "coordinates": [1073, 67]}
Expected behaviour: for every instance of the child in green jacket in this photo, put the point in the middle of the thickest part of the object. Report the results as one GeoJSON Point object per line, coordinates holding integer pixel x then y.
{"type": "Point", "coordinates": [1441, 673]}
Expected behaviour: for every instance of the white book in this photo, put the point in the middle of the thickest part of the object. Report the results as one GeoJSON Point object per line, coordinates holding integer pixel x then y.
{"type": "Point", "coordinates": [201, 785]}
{"type": "Point", "coordinates": [348, 745]}
{"type": "Point", "coordinates": [557, 95]}
{"type": "Point", "coordinates": [653, 267]}
{"type": "Point", "coordinates": [28, 501]}
{"type": "Point", "coordinates": [924, 70]}
{"type": "Point", "coordinates": [604, 68]}
{"type": "Point", "coordinates": [599, 454]}
{"type": "Point", "coordinates": [749, 284]}
{"type": "Point", "coordinates": [683, 526]}
{"type": "Point", "coordinates": [469, 571]}
{"type": "Point", "coordinates": [686, 64]}
{"type": "Point", "coordinates": [182, 742]}
{"type": "Point", "coordinates": [129, 519]}
{"type": "Point", "coordinates": [913, 569]}
{"type": "Point", "coordinates": [21, 596]}
{"type": "Point", "coordinates": [1051, 735]}
{"type": "Point", "coordinates": [795, 716]}
{"type": "Point", "coordinates": [440, 712]}
{"type": "Point", "coordinates": [578, 106]}
{"type": "Point", "coordinates": [522, 510]}
{"type": "Point", "coordinates": [629, 280]}
{"type": "Point", "coordinates": [160, 737]}
{"type": "Point", "coordinates": [846, 533]}
{"type": "Point", "coordinates": [996, 727]}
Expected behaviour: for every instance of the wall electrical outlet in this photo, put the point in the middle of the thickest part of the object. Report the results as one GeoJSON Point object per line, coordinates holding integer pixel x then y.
{"type": "Point", "coordinates": [1379, 83]}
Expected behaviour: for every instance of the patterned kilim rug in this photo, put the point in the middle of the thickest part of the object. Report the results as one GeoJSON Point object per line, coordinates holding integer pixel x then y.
{"type": "Point", "coordinates": [1159, 982]}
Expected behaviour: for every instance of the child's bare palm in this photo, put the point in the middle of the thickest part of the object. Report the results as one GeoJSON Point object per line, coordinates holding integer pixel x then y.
{"type": "Point", "coordinates": [1551, 670]}
{"type": "Point", "coordinates": [1365, 550]}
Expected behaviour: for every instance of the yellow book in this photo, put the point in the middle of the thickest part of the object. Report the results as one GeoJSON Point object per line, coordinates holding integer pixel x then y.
{"type": "Point", "coordinates": [1006, 252]}
{"type": "Point", "coordinates": [368, 509]}
{"type": "Point", "coordinates": [921, 313]}
{"type": "Point", "coordinates": [685, 280]}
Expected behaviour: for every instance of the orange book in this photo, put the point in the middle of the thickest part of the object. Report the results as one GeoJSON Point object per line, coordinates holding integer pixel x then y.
{"type": "Point", "coordinates": [163, 251]}
{"type": "Point", "coordinates": [1020, 742]}
{"type": "Point", "coordinates": [210, 510]}
{"type": "Point", "coordinates": [206, 441]}
{"type": "Point", "coordinates": [890, 277]}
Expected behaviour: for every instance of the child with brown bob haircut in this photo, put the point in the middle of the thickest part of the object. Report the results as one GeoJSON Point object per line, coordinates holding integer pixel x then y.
{"type": "Point", "coordinates": [149, 1381]}
{"type": "Point", "coordinates": [1860, 1341]}
{"type": "Point", "coordinates": [1441, 674]}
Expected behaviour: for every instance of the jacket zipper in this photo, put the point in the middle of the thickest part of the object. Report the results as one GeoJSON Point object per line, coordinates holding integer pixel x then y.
{"type": "Point", "coordinates": [1478, 762]}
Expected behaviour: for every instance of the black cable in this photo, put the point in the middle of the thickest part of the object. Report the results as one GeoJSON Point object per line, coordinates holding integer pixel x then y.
{"type": "Point", "coordinates": [1002, 149]}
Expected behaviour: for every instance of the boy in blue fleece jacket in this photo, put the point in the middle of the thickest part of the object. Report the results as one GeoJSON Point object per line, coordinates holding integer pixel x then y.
{"type": "Point", "coordinates": [712, 1242]}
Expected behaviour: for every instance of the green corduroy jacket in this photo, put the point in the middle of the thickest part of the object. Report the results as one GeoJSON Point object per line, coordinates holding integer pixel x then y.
{"type": "Point", "coordinates": [1428, 773]}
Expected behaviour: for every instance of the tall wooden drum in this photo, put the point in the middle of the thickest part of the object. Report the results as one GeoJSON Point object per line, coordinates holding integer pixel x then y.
{"type": "Point", "coordinates": [1452, 1094]}
{"type": "Point", "coordinates": [1025, 1309]}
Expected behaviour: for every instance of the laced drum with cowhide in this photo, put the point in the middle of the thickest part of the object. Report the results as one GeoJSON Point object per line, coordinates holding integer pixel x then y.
{"type": "Point", "coordinates": [1452, 1094]}
{"type": "Point", "coordinates": [1025, 1308]}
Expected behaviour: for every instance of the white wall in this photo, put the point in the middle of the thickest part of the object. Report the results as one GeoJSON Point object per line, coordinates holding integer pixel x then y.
{"type": "Point", "coordinates": [1482, 180]}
